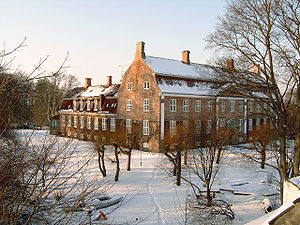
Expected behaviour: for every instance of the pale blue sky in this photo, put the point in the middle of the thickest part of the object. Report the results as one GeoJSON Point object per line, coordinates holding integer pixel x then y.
{"type": "Point", "coordinates": [101, 35]}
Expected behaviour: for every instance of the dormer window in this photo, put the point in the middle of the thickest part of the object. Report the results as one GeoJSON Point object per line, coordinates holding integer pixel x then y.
{"type": "Point", "coordinates": [74, 105]}
{"type": "Point", "coordinates": [146, 85]}
{"type": "Point", "coordinates": [81, 105]}
{"type": "Point", "coordinates": [129, 86]}
{"type": "Point", "coordinates": [96, 105]}
{"type": "Point", "coordinates": [88, 105]}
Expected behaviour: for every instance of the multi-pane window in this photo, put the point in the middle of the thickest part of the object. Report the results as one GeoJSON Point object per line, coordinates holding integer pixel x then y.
{"type": "Point", "coordinates": [112, 124]}
{"type": "Point", "coordinates": [128, 125]}
{"type": "Point", "coordinates": [146, 127]}
{"type": "Point", "coordinates": [185, 124]}
{"type": "Point", "coordinates": [146, 105]}
{"type": "Point", "coordinates": [241, 125]}
{"type": "Point", "coordinates": [265, 121]}
{"type": "Point", "coordinates": [231, 105]}
{"type": "Point", "coordinates": [222, 106]}
{"type": "Point", "coordinates": [172, 127]}
{"type": "Point", "coordinates": [75, 122]}
{"type": "Point", "coordinates": [209, 106]}
{"type": "Point", "coordinates": [250, 106]}
{"type": "Point", "coordinates": [89, 123]}
{"type": "Point", "coordinates": [88, 105]}
{"type": "Point", "coordinates": [81, 105]}
{"type": "Point", "coordinates": [129, 86]}
{"type": "Point", "coordinates": [146, 85]}
{"type": "Point", "coordinates": [96, 105]}
{"type": "Point", "coordinates": [221, 122]}
{"type": "Point", "coordinates": [69, 121]}
{"type": "Point", "coordinates": [257, 107]}
{"type": "Point", "coordinates": [250, 124]}
{"type": "Point", "coordinates": [96, 123]}
{"type": "Point", "coordinates": [74, 105]}
{"type": "Point", "coordinates": [63, 120]}
{"type": "Point", "coordinates": [198, 106]}
{"type": "Point", "coordinates": [257, 122]}
{"type": "Point", "coordinates": [265, 107]}
{"type": "Point", "coordinates": [186, 105]}
{"type": "Point", "coordinates": [128, 104]}
{"type": "Point", "coordinates": [208, 126]}
{"type": "Point", "coordinates": [198, 126]}
{"type": "Point", "coordinates": [81, 122]}
{"type": "Point", "coordinates": [241, 106]}
{"type": "Point", "coordinates": [104, 123]}
{"type": "Point", "coordinates": [172, 105]}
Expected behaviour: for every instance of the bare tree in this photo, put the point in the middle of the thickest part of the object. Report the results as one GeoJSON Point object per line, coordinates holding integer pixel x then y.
{"type": "Point", "coordinates": [255, 33]}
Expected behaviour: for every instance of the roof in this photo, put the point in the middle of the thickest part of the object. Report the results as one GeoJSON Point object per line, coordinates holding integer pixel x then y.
{"type": "Point", "coordinates": [96, 91]}
{"type": "Point", "coordinates": [176, 68]}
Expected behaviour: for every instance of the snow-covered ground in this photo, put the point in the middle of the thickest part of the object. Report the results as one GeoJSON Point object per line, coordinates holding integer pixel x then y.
{"type": "Point", "coordinates": [152, 198]}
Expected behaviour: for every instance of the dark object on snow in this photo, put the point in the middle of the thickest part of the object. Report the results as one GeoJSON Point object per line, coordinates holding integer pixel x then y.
{"type": "Point", "coordinates": [104, 198]}
{"type": "Point", "coordinates": [107, 203]}
{"type": "Point", "coordinates": [267, 205]}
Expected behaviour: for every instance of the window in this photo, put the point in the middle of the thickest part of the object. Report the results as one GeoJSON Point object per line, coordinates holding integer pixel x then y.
{"type": "Point", "coordinates": [75, 121]}
{"type": "Point", "coordinates": [74, 105]}
{"type": "Point", "coordinates": [250, 106]}
{"type": "Point", "coordinates": [185, 124]}
{"type": "Point", "coordinates": [146, 85]}
{"type": "Point", "coordinates": [257, 122]}
{"type": "Point", "coordinates": [69, 121]}
{"type": "Point", "coordinates": [198, 106]}
{"type": "Point", "coordinates": [96, 105]}
{"type": "Point", "coordinates": [222, 106]}
{"type": "Point", "coordinates": [128, 104]}
{"type": "Point", "coordinates": [129, 86]}
{"type": "Point", "coordinates": [221, 122]}
{"type": "Point", "coordinates": [209, 106]}
{"type": "Point", "coordinates": [88, 105]}
{"type": "Point", "coordinates": [208, 126]}
{"type": "Point", "coordinates": [96, 123]}
{"type": "Point", "coordinates": [63, 120]}
{"type": "Point", "coordinates": [172, 127]}
{"type": "Point", "coordinates": [186, 105]}
{"type": "Point", "coordinates": [257, 107]}
{"type": "Point", "coordinates": [146, 105]}
{"type": "Point", "coordinates": [104, 126]}
{"type": "Point", "coordinates": [112, 124]}
{"type": "Point", "coordinates": [250, 125]}
{"type": "Point", "coordinates": [241, 106]}
{"type": "Point", "coordinates": [81, 122]}
{"type": "Point", "coordinates": [81, 105]}
{"type": "Point", "coordinates": [241, 125]}
{"type": "Point", "coordinates": [265, 121]}
{"type": "Point", "coordinates": [146, 145]}
{"type": "Point", "coordinates": [231, 105]}
{"type": "Point", "coordinates": [146, 127]}
{"type": "Point", "coordinates": [265, 107]}
{"type": "Point", "coordinates": [89, 123]}
{"type": "Point", "coordinates": [198, 126]}
{"type": "Point", "coordinates": [172, 105]}
{"type": "Point", "coordinates": [128, 125]}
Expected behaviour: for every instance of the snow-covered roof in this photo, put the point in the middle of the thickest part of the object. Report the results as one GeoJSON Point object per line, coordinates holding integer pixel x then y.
{"type": "Point", "coordinates": [176, 68]}
{"type": "Point", "coordinates": [171, 86]}
{"type": "Point", "coordinates": [94, 91]}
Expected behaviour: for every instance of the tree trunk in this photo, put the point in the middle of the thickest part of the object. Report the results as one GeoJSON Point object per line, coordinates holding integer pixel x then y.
{"type": "Point", "coordinates": [101, 163]}
{"type": "Point", "coordinates": [185, 157]}
{"type": "Point", "coordinates": [117, 164]}
{"type": "Point", "coordinates": [175, 167]}
{"type": "Point", "coordinates": [296, 156]}
{"type": "Point", "coordinates": [219, 150]}
{"type": "Point", "coordinates": [208, 195]}
{"type": "Point", "coordinates": [178, 168]}
{"type": "Point", "coordinates": [129, 160]}
{"type": "Point", "coordinates": [283, 165]}
{"type": "Point", "coordinates": [263, 157]}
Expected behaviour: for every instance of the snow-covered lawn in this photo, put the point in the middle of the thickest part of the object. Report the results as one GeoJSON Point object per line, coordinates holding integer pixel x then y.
{"type": "Point", "coordinates": [152, 198]}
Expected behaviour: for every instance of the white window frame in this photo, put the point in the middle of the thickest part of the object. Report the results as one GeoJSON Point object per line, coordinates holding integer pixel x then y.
{"type": "Point", "coordinates": [82, 122]}
{"type": "Point", "coordinates": [198, 126]}
{"type": "Point", "coordinates": [146, 84]}
{"type": "Point", "coordinates": [128, 105]}
{"type": "Point", "coordinates": [104, 124]}
{"type": "Point", "coordinates": [146, 127]}
{"type": "Point", "coordinates": [75, 121]}
{"type": "Point", "coordinates": [74, 105]}
{"type": "Point", "coordinates": [231, 105]}
{"type": "Point", "coordinates": [241, 125]}
{"type": "Point", "coordinates": [69, 122]}
{"type": "Point", "coordinates": [89, 123]}
{"type": "Point", "coordinates": [250, 124]}
{"type": "Point", "coordinates": [88, 105]}
{"type": "Point", "coordinates": [250, 106]}
{"type": "Point", "coordinates": [221, 122]}
{"type": "Point", "coordinates": [112, 124]}
{"type": "Point", "coordinates": [257, 124]}
{"type": "Point", "coordinates": [209, 106]}
{"type": "Point", "coordinates": [172, 105]}
{"type": "Point", "coordinates": [63, 120]}
{"type": "Point", "coordinates": [146, 105]}
{"type": "Point", "coordinates": [81, 105]}
{"type": "Point", "coordinates": [208, 126]}
{"type": "Point", "coordinates": [222, 106]}
{"type": "Point", "coordinates": [241, 106]}
{"type": "Point", "coordinates": [197, 105]}
{"type": "Point", "coordinates": [258, 108]}
{"type": "Point", "coordinates": [128, 125]}
{"type": "Point", "coordinates": [185, 124]}
{"type": "Point", "coordinates": [96, 104]}
{"type": "Point", "coordinates": [129, 86]}
{"type": "Point", "coordinates": [173, 127]}
{"type": "Point", "coordinates": [96, 123]}
{"type": "Point", "coordinates": [186, 105]}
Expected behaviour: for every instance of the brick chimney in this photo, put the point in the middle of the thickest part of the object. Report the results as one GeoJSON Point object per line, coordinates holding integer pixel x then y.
{"type": "Point", "coordinates": [88, 82]}
{"type": "Point", "coordinates": [108, 81]}
{"type": "Point", "coordinates": [230, 64]}
{"type": "Point", "coordinates": [255, 69]}
{"type": "Point", "coordinates": [186, 57]}
{"type": "Point", "coordinates": [140, 50]}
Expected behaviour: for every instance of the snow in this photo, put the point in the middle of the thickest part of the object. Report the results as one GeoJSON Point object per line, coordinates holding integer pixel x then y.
{"type": "Point", "coordinates": [296, 181]}
{"type": "Point", "coordinates": [190, 88]}
{"type": "Point", "coordinates": [177, 68]}
{"type": "Point", "coordinates": [93, 91]}
{"type": "Point", "coordinates": [152, 198]}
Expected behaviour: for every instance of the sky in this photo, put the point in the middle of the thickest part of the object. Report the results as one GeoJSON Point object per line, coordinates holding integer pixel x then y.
{"type": "Point", "coordinates": [100, 36]}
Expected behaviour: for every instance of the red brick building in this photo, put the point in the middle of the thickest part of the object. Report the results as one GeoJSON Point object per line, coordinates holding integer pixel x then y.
{"type": "Point", "coordinates": [157, 96]}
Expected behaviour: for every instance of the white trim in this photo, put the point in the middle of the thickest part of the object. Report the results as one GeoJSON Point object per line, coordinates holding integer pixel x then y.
{"type": "Point", "coordinates": [232, 98]}
{"type": "Point", "coordinates": [188, 96]}
{"type": "Point", "coordinates": [162, 117]}
{"type": "Point", "coordinates": [86, 113]}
